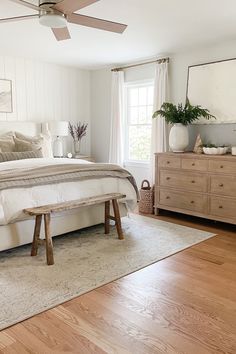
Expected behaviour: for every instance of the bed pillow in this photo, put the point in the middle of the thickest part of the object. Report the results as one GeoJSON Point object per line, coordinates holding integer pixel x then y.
{"type": "Point", "coordinates": [23, 145]}
{"type": "Point", "coordinates": [42, 140]}
{"type": "Point", "coordinates": [11, 156]}
{"type": "Point", "coordinates": [7, 143]}
{"type": "Point", "coordinates": [7, 134]}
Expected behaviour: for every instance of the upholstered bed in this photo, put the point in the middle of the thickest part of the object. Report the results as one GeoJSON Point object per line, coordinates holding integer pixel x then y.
{"type": "Point", "coordinates": [16, 229]}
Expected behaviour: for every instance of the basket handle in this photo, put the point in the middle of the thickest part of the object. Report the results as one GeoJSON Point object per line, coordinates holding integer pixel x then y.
{"type": "Point", "coordinates": [145, 181]}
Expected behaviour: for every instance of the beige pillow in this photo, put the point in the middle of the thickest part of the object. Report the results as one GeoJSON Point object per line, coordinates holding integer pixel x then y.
{"type": "Point", "coordinates": [7, 143]}
{"type": "Point", "coordinates": [11, 156]}
{"type": "Point", "coordinates": [7, 134]}
{"type": "Point", "coordinates": [42, 140]}
{"type": "Point", "coordinates": [22, 145]}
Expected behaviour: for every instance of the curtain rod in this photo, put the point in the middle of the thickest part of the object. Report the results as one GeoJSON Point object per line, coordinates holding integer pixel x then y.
{"type": "Point", "coordinates": [162, 60]}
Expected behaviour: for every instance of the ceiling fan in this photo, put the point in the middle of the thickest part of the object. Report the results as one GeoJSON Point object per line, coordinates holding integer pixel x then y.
{"type": "Point", "coordinates": [57, 13]}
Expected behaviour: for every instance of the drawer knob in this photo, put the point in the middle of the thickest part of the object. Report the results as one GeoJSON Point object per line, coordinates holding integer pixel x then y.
{"type": "Point", "coordinates": [167, 197]}
{"type": "Point", "coordinates": [221, 185]}
{"type": "Point", "coordinates": [192, 202]}
{"type": "Point", "coordinates": [221, 166]}
{"type": "Point", "coordinates": [220, 207]}
{"type": "Point", "coordinates": [193, 164]}
{"type": "Point", "coordinates": [168, 178]}
{"type": "Point", "coordinates": [168, 162]}
{"type": "Point", "coordinates": [192, 181]}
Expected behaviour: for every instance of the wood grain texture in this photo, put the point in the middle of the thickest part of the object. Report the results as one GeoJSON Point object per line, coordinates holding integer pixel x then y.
{"type": "Point", "coordinates": [183, 304]}
{"type": "Point", "coordinates": [117, 219]}
{"type": "Point", "coordinates": [46, 211]}
{"type": "Point", "coordinates": [61, 34]}
{"type": "Point", "coordinates": [74, 204]}
{"type": "Point", "coordinates": [199, 185]}
{"type": "Point", "coordinates": [107, 217]}
{"type": "Point", "coordinates": [48, 238]}
{"type": "Point", "coordinates": [37, 228]}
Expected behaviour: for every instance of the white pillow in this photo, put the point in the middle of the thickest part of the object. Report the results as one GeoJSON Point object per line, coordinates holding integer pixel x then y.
{"type": "Point", "coordinates": [44, 140]}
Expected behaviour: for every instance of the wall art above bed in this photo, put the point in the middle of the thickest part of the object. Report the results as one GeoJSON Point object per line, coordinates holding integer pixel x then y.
{"type": "Point", "coordinates": [213, 86]}
{"type": "Point", "coordinates": [5, 96]}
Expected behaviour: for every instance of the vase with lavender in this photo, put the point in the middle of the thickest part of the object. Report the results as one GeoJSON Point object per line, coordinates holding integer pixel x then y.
{"type": "Point", "coordinates": [77, 132]}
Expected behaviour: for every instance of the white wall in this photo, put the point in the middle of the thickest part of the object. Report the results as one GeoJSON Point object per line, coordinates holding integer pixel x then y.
{"type": "Point", "coordinates": [216, 133]}
{"type": "Point", "coordinates": [44, 92]}
{"type": "Point", "coordinates": [101, 85]}
{"type": "Point", "coordinates": [100, 113]}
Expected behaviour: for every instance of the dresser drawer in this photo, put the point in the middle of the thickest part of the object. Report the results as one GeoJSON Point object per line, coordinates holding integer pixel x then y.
{"type": "Point", "coordinates": [170, 162]}
{"type": "Point", "coordinates": [225, 185]}
{"type": "Point", "coordinates": [194, 164]}
{"type": "Point", "coordinates": [222, 166]}
{"type": "Point", "coordinates": [186, 181]}
{"type": "Point", "coordinates": [188, 201]}
{"type": "Point", "coordinates": [223, 207]}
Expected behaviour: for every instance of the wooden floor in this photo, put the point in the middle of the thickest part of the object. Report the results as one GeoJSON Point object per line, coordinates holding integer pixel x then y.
{"type": "Point", "coordinates": [183, 304]}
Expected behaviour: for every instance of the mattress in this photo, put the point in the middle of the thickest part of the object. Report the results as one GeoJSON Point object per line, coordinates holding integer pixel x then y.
{"type": "Point", "coordinates": [13, 201]}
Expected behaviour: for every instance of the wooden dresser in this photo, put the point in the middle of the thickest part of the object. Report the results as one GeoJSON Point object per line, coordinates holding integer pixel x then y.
{"type": "Point", "coordinates": [200, 185]}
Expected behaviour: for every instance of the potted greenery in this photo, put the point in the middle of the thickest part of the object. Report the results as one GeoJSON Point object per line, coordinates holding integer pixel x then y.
{"type": "Point", "coordinates": [180, 117]}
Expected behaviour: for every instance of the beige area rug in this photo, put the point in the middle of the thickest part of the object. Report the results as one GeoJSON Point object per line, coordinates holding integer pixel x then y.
{"type": "Point", "coordinates": [84, 260]}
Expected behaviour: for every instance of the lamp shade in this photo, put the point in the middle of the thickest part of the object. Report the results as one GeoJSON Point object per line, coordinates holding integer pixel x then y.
{"type": "Point", "coordinates": [58, 128]}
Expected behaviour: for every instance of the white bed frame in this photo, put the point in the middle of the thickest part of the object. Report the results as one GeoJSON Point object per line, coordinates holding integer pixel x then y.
{"type": "Point", "coordinates": [21, 232]}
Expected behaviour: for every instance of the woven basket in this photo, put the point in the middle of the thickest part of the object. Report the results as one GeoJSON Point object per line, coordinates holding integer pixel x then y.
{"type": "Point", "coordinates": [146, 198]}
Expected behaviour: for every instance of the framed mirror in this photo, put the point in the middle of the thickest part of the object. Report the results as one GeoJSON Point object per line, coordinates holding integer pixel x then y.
{"type": "Point", "coordinates": [213, 86]}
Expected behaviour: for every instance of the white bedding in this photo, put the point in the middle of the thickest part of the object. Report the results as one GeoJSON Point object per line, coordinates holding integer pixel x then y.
{"type": "Point", "coordinates": [13, 201]}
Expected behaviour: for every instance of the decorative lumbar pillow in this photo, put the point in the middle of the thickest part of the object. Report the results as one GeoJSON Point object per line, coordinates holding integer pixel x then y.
{"type": "Point", "coordinates": [42, 140]}
{"type": "Point", "coordinates": [22, 145]}
{"type": "Point", "coordinates": [11, 156]}
{"type": "Point", "coordinates": [7, 134]}
{"type": "Point", "coordinates": [7, 143]}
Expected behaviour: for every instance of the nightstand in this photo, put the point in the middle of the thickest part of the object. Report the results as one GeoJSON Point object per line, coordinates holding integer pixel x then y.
{"type": "Point", "coordinates": [84, 157]}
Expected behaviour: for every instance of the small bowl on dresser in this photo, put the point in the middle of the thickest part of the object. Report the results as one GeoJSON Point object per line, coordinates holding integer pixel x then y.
{"type": "Point", "coordinates": [216, 150]}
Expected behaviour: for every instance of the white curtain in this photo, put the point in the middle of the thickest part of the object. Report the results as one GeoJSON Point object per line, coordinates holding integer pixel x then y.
{"type": "Point", "coordinates": [116, 151]}
{"type": "Point", "coordinates": [159, 126]}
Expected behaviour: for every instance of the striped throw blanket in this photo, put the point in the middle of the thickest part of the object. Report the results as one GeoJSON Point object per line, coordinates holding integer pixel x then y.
{"type": "Point", "coordinates": [52, 174]}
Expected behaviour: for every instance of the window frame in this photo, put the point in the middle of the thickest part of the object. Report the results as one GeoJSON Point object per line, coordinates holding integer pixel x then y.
{"type": "Point", "coordinates": [128, 85]}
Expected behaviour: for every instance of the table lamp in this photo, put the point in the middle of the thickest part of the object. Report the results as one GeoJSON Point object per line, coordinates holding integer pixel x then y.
{"type": "Point", "coordinates": [58, 129]}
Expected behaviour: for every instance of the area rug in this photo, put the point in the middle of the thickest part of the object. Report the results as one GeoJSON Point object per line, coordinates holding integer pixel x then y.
{"type": "Point", "coordinates": [84, 260]}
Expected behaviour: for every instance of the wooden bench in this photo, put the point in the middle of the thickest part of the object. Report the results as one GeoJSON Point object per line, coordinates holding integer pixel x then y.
{"type": "Point", "coordinates": [46, 210]}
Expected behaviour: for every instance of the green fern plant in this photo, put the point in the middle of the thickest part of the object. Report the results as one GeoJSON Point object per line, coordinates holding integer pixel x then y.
{"type": "Point", "coordinates": [185, 115]}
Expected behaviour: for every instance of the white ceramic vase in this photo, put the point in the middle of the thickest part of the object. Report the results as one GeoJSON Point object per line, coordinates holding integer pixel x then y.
{"type": "Point", "coordinates": [179, 137]}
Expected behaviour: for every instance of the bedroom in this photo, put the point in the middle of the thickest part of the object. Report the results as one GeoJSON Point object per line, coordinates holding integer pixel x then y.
{"type": "Point", "coordinates": [169, 285]}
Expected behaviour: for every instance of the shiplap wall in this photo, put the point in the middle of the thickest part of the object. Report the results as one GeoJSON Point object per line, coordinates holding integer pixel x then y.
{"type": "Point", "coordinates": [42, 92]}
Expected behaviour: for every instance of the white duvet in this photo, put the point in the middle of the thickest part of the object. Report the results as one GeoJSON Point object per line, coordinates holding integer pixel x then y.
{"type": "Point", "coordinates": [13, 201]}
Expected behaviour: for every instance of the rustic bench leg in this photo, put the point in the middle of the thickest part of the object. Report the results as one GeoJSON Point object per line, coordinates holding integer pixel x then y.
{"type": "Point", "coordinates": [107, 217]}
{"type": "Point", "coordinates": [49, 246]}
{"type": "Point", "coordinates": [117, 219]}
{"type": "Point", "coordinates": [37, 228]}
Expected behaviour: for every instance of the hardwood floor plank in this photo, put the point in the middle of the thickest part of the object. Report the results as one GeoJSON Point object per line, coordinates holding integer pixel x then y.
{"type": "Point", "coordinates": [181, 305]}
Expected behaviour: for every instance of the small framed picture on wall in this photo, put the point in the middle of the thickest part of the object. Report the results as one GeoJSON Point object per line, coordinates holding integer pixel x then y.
{"type": "Point", "coordinates": [5, 96]}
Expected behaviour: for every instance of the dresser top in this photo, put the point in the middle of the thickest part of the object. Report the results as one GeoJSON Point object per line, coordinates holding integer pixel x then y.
{"type": "Point", "coordinates": [193, 155]}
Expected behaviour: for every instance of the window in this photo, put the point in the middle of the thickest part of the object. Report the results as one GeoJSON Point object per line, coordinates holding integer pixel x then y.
{"type": "Point", "coordinates": [138, 122]}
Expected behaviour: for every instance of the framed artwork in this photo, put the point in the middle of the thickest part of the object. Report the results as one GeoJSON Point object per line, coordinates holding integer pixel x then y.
{"type": "Point", "coordinates": [5, 96]}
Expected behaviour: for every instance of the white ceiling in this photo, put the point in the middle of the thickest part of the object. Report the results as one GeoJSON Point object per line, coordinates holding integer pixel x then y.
{"type": "Point", "coordinates": [154, 27]}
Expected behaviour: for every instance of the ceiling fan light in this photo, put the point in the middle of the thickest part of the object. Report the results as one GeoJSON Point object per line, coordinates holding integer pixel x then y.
{"type": "Point", "coordinates": [53, 20]}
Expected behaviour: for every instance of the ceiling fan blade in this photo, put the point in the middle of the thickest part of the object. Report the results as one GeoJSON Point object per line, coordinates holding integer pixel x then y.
{"type": "Point", "coordinates": [96, 23]}
{"type": "Point", "coordinates": [69, 6]}
{"type": "Point", "coordinates": [18, 18]}
{"type": "Point", "coordinates": [61, 34]}
{"type": "Point", "coordinates": [27, 4]}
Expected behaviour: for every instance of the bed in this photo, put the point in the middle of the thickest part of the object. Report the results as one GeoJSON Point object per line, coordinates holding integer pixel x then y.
{"type": "Point", "coordinates": [16, 229]}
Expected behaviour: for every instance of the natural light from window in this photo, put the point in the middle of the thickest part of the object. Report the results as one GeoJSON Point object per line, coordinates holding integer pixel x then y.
{"type": "Point", "coordinates": [139, 110]}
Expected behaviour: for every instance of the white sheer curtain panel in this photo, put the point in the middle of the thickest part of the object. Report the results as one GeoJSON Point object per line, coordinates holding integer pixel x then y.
{"type": "Point", "coordinates": [159, 127]}
{"type": "Point", "coordinates": [116, 151]}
